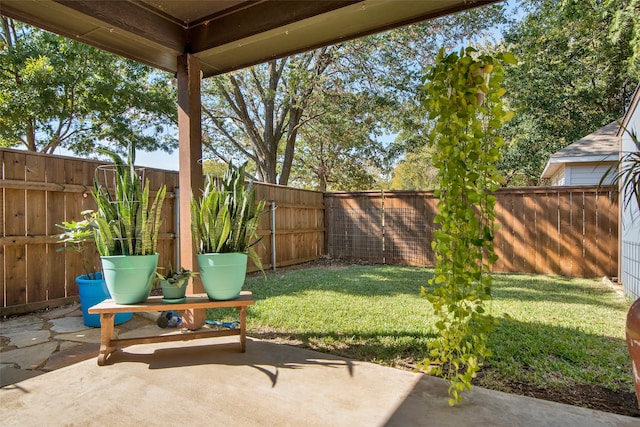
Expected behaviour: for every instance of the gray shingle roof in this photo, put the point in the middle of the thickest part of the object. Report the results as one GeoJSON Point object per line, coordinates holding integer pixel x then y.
{"type": "Point", "coordinates": [603, 142]}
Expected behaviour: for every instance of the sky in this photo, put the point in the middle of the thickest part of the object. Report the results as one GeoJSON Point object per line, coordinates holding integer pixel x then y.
{"type": "Point", "coordinates": [158, 160]}
{"type": "Point", "coordinates": [155, 159]}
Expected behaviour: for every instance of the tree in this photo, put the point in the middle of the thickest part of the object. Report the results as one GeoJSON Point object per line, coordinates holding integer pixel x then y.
{"type": "Point", "coordinates": [571, 79]}
{"type": "Point", "coordinates": [416, 171]}
{"type": "Point", "coordinates": [255, 110]}
{"type": "Point", "coordinates": [338, 151]}
{"type": "Point", "coordinates": [55, 92]}
{"type": "Point", "coordinates": [260, 112]}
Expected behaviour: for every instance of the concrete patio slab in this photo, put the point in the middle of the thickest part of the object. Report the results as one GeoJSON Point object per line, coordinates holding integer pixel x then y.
{"type": "Point", "coordinates": [208, 382]}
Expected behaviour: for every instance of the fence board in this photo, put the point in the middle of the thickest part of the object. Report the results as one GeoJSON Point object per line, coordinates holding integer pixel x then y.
{"type": "Point", "coordinates": [75, 173]}
{"type": "Point", "coordinates": [15, 256]}
{"type": "Point", "coordinates": [577, 232]}
{"type": "Point", "coordinates": [56, 265]}
{"type": "Point", "coordinates": [553, 236]}
{"type": "Point", "coordinates": [519, 219]}
{"type": "Point", "coordinates": [590, 236]}
{"type": "Point", "coordinates": [36, 225]}
{"type": "Point", "coordinates": [608, 221]}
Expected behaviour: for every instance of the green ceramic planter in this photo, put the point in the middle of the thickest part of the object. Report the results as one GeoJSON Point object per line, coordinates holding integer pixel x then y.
{"type": "Point", "coordinates": [129, 278]}
{"type": "Point", "coordinates": [173, 291]}
{"type": "Point", "coordinates": [222, 274]}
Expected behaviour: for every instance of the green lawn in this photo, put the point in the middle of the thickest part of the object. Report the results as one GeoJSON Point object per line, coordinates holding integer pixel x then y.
{"type": "Point", "coordinates": [554, 331]}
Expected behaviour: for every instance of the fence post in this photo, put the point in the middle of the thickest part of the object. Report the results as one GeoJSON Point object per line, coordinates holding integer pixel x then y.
{"type": "Point", "coordinates": [272, 204]}
{"type": "Point", "coordinates": [384, 257]}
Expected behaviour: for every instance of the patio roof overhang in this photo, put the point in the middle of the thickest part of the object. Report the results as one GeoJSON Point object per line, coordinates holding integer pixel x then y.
{"type": "Point", "coordinates": [224, 35]}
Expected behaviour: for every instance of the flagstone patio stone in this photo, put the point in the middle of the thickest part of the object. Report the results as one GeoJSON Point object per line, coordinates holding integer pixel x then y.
{"type": "Point", "coordinates": [86, 335]}
{"type": "Point", "coordinates": [68, 324]}
{"type": "Point", "coordinates": [21, 324]}
{"type": "Point", "coordinates": [28, 338]}
{"type": "Point", "coordinates": [31, 357]}
{"type": "Point", "coordinates": [71, 355]}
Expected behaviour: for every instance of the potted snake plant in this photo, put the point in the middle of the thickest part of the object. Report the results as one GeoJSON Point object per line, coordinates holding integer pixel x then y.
{"type": "Point", "coordinates": [126, 229]}
{"type": "Point", "coordinates": [77, 236]}
{"type": "Point", "coordinates": [224, 223]}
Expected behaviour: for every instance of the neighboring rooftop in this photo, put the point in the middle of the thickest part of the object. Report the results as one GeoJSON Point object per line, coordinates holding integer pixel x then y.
{"type": "Point", "coordinates": [601, 145]}
{"type": "Point", "coordinates": [603, 142]}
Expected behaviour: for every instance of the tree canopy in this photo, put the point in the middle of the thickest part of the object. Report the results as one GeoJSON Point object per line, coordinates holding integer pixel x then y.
{"type": "Point", "coordinates": [55, 92]}
{"type": "Point", "coordinates": [323, 119]}
{"type": "Point", "coordinates": [332, 105]}
{"type": "Point", "coordinates": [577, 69]}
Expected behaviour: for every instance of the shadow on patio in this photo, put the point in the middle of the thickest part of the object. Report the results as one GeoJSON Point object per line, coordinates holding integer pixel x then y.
{"type": "Point", "coordinates": [270, 384]}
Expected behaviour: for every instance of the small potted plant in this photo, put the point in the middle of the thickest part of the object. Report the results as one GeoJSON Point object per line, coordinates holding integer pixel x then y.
{"type": "Point", "coordinates": [77, 236]}
{"type": "Point", "coordinates": [174, 284]}
{"type": "Point", "coordinates": [224, 223]}
{"type": "Point", "coordinates": [126, 229]}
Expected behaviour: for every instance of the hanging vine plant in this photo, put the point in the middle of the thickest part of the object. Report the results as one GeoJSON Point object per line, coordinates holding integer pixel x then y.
{"type": "Point", "coordinates": [462, 93]}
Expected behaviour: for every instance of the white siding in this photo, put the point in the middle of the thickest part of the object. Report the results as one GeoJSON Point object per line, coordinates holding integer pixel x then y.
{"type": "Point", "coordinates": [586, 174]}
{"type": "Point", "coordinates": [630, 225]}
{"type": "Point", "coordinates": [558, 178]}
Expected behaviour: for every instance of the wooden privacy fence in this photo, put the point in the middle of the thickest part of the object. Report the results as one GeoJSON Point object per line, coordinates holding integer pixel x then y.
{"type": "Point", "coordinates": [570, 231]}
{"type": "Point", "coordinates": [39, 191]}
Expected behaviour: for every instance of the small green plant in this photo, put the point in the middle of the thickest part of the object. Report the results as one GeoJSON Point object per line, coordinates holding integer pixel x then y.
{"type": "Point", "coordinates": [225, 218]}
{"type": "Point", "coordinates": [76, 236]}
{"type": "Point", "coordinates": [462, 94]}
{"type": "Point", "coordinates": [176, 278]}
{"type": "Point", "coordinates": [125, 222]}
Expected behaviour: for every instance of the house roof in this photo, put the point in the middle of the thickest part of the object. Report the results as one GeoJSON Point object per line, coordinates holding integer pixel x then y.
{"type": "Point", "coordinates": [601, 145]}
{"type": "Point", "coordinates": [223, 34]}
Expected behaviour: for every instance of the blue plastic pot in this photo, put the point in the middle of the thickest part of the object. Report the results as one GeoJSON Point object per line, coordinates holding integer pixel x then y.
{"type": "Point", "coordinates": [92, 292]}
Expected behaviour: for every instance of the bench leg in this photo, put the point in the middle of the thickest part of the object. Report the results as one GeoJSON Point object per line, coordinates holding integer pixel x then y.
{"type": "Point", "coordinates": [243, 328]}
{"type": "Point", "coordinates": [106, 335]}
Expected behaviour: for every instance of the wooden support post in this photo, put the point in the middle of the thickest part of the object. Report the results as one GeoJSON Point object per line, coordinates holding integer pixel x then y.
{"type": "Point", "coordinates": [191, 180]}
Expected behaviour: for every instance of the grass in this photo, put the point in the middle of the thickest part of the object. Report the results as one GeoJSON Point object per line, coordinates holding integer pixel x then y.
{"type": "Point", "coordinates": [553, 331]}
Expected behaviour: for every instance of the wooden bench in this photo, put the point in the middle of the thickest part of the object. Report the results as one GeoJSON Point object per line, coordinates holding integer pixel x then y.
{"type": "Point", "coordinates": [108, 309]}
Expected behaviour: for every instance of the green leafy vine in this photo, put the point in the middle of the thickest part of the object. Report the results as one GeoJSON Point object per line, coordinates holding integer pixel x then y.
{"type": "Point", "coordinates": [462, 94]}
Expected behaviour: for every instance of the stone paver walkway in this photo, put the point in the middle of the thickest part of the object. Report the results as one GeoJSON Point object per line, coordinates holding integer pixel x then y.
{"type": "Point", "coordinates": [31, 345]}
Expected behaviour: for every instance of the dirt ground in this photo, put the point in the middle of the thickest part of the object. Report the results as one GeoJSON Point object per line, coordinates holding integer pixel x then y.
{"type": "Point", "coordinates": [587, 396]}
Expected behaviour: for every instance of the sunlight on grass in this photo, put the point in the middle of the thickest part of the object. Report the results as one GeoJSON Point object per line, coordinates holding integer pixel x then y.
{"type": "Point", "coordinates": [553, 330]}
